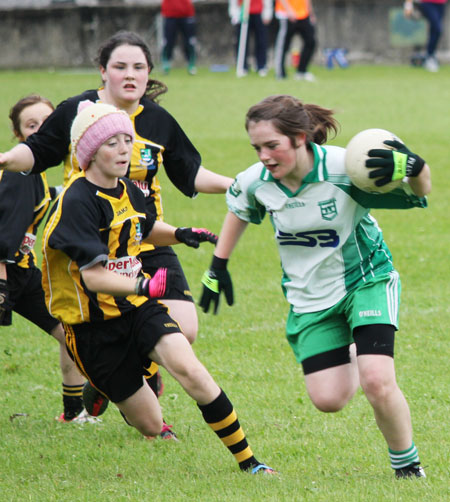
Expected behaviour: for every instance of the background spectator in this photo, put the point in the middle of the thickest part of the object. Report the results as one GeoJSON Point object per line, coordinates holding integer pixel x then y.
{"type": "Point", "coordinates": [260, 15]}
{"type": "Point", "coordinates": [178, 16]}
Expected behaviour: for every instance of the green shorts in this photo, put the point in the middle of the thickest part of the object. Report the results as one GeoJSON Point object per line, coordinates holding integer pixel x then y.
{"type": "Point", "coordinates": [375, 302]}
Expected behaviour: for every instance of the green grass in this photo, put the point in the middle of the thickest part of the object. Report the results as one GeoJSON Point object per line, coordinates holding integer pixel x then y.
{"type": "Point", "coordinates": [321, 456]}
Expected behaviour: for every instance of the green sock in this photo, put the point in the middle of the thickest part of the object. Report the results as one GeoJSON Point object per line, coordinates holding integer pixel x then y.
{"type": "Point", "coordinates": [400, 459]}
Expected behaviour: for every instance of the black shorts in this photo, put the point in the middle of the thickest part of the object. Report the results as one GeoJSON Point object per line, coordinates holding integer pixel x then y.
{"type": "Point", "coordinates": [166, 257]}
{"type": "Point", "coordinates": [27, 298]}
{"type": "Point", "coordinates": [113, 354]}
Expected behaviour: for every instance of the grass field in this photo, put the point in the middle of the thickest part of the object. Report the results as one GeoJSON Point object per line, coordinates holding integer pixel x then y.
{"type": "Point", "coordinates": [321, 457]}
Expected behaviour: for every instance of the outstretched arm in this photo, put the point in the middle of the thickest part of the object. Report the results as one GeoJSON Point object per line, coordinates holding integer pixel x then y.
{"type": "Point", "coordinates": [209, 182]}
{"type": "Point", "coordinates": [163, 234]}
{"type": "Point", "coordinates": [20, 158]}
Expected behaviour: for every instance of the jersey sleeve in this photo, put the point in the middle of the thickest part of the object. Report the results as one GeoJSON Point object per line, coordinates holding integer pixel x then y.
{"type": "Point", "coordinates": [17, 201]}
{"type": "Point", "coordinates": [181, 159]}
{"type": "Point", "coordinates": [76, 232]}
{"type": "Point", "coordinates": [50, 145]}
{"type": "Point", "coordinates": [401, 198]}
{"type": "Point", "coordinates": [241, 196]}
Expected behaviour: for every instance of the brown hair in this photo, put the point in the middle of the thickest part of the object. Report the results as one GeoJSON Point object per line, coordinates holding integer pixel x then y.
{"type": "Point", "coordinates": [154, 87]}
{"type": "Point", "coordinates": [16, 110]}
{"type": "Point", "coordinates": [292, 117]}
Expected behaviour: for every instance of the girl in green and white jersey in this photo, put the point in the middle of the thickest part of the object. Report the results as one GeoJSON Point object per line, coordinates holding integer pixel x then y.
{"type": "Point", "coordinates": [338, 275]}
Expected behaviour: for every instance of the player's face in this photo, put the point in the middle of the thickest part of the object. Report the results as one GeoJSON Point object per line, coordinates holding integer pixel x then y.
{"type": "Point", "coordinates": [274, 149]}
{"type": "Point", "coordinates": [125, 76]}
{"type": "Point", "coordinates": [111, 161]}
{"type": "Point", "coordinates": [31, 119]}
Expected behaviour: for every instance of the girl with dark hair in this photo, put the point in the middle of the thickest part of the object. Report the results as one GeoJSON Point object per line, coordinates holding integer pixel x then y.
{"type": "Point", "coordinates": [338, 275]}
{"type": "Point", "coordinates": [125, 65]}
{"type": "Point", "coordinates": [24, 201]}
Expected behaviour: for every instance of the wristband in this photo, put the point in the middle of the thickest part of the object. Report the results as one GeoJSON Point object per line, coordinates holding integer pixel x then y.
{"type": "Point", "coordinates": [219, 263]}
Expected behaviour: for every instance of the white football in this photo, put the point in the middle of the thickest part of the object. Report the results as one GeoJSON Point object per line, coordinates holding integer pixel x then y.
{"type": "Point", "coordinates": [356, 156]}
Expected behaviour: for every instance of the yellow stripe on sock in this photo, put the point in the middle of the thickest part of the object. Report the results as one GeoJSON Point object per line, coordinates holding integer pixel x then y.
{"type": "Point", "coordinates": [217, 426]}
{"type": "Point", "coordinates": [243, 455]}
{"type": "Point", "coordinates": [234, 438]}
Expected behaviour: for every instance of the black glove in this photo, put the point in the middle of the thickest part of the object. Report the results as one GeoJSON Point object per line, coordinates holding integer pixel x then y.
{"type": "Point", "coordinates": [393, 164]}
{"type": "Point", "coordinates": [193, 236]}
{"type": "Point", "coordinates": [4, 298]}
{"type": "Point", "coordinates": [215, 280]}
{"type": "Point", "coordinates": [157, 285]}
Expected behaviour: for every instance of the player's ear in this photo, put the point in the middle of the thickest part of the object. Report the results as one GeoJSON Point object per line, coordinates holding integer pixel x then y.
{"type": "Point", "coordinates": [300, 140]}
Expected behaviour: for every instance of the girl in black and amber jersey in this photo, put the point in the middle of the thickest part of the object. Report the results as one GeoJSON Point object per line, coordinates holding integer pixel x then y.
{"type": "Point", "coordinates": [24, 201]}
{"type": "Point", "coordinates": [95, 285]}
{"type": "Point", "coordinates": [125, 64]}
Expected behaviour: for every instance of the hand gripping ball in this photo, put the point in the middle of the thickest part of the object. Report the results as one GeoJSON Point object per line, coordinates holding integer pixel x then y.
{"type": "Point", "coordinates": [356, 156]}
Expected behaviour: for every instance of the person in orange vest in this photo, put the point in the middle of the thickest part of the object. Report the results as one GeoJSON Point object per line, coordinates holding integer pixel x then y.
{"type": "Point", "coordinates": [260, 15]}
{"type": "Point", "coordinates": [178, 16]}
{"type": "Point", "coordinates": [295, 17]}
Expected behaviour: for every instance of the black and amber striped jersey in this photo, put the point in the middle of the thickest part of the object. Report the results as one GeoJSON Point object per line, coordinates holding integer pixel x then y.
{"type": "Point", "coordinates": [24, 200]}
{"type": "Point", "coordinates": [159, 141]}
{"type": "Point", "coordinates": [91, 225]}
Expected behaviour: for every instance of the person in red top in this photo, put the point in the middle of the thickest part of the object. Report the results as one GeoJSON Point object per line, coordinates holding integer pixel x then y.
{"type": "Point", "coordinates": [260, 15]}
{"type": "Point", "coordinates": [178, 16]}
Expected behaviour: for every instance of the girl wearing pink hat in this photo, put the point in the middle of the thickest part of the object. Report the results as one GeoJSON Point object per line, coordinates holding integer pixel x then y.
{"type": "Point", "coordinates": [94, 283]}
{"type": "Point", "coordinates": [125, 64]}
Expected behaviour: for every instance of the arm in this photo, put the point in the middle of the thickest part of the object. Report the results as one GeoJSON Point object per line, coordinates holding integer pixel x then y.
{"type": "Point", "coordinates": [312, 14]}
{"type": "Point", "coordinates": [209, 182]}
{"type": "Point", "coordinates": [217, 278]}
{"type": "Point", "coordinates": [100, 280]}
{"type": "Point", "coordinates": [289, 11]}
{"type": "Point", "coordinates": [267, 12]}
{"type": "Point", "coordinates": [408, 8]}
{"type": "Point", "coordinates": [20, 158]}
{"type": "Point", "coordinates": [163, 234]}
{"type": "Point", "coordinates": [3, 274]}
{"type": "Point", "coordinates": [421, 184]}
{"type": "Point", "coordinates": [231, 232]}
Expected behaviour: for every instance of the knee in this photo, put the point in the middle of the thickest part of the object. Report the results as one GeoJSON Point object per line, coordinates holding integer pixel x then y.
{"type": "Point", "coordinates": [149, 427]}
{"type": "Point", "coordinates": [377, 386]}
{"type": "Point", "coordinates": [329, 403]}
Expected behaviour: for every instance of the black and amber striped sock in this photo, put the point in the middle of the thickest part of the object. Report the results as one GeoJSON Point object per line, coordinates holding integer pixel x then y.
{"type": "Point", "coordinates": [72, 400]}
{"type": "Point", "coordinates": [222, 419]}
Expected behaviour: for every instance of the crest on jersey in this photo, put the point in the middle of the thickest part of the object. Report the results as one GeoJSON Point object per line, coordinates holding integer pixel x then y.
{"type": "Point", "coordinates": [328, 209]}
{"type": "Point", "coordinates": [138, 236]}
{"type": "Point", "coordinates": [146, 156]}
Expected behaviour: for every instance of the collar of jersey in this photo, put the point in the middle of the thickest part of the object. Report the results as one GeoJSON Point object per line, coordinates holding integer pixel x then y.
{"type": "Point", "coordinates": [133, 115]}
{"type": "Point", "coordinates": [319, 171]}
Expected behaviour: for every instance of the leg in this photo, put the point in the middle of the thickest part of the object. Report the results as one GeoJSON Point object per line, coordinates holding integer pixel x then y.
{"type": "Point", "coordinates": [174, 352]}
{"type": "Point", "coordinates": [282, 44]}
{"type": "Point", "coordinates": [260, 43]}
{"type": "Point", "coordinates": [185, 314]}
{"type": "Point", "coordinates": [169, 38]}
{"type": "Point", "coordinates": [188, 30]}
{"type": "Point", "coordinates": [377, 375]}
{"type": "Point", "coordinates": [307, 32]}
{"type": "Point", "coordinates": [142, 411]}
{"type": "Point", "coordinates": [70, 373]}
{"type": "Point", "coordinates": [331, 388]}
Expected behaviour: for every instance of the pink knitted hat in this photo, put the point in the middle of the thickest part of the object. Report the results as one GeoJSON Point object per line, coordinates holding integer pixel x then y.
{"type": "Point", "coordinates": [95, 124]}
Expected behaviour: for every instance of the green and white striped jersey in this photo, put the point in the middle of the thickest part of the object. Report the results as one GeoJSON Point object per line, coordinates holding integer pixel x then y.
{"type": "Point", "coordinates": [327, 240]}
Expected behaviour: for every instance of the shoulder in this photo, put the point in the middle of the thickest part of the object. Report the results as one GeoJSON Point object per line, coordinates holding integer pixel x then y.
{"type": "Point", "coordinates": [334, 159]}
{"type": "Point", "coordinates": [249, 180]}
